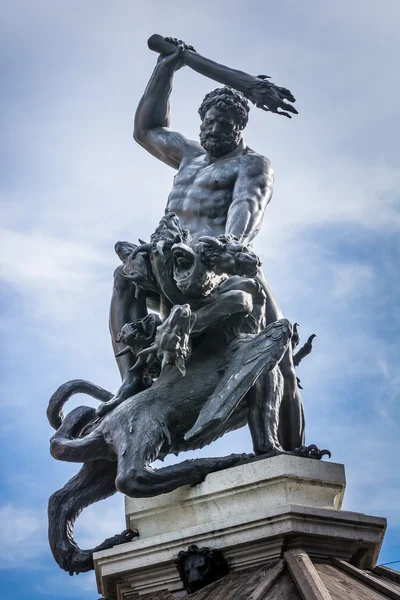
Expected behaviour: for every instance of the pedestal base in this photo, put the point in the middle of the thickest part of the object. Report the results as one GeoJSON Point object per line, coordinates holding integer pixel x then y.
{"type": "Point", "coordinates": [252, 513]}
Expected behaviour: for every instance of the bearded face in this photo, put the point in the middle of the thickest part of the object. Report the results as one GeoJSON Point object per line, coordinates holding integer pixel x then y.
{"type": "Point", "coordinates": [220, 132]}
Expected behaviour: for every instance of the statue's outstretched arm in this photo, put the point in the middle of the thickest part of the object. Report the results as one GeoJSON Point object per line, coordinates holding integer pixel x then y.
{"type": "Point", "coordinates": [152, 118]}
{"type": "Point", "coordinates": [263, 93]}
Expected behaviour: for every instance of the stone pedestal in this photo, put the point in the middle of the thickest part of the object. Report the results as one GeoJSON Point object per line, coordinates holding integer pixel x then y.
{"type": "Point", "coordinates": [252, 513]}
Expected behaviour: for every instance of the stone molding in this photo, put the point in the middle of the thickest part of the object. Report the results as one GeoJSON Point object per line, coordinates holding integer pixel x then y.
{"type": "Point", "coordinates": [253, 513]}
{"type": "Point", "coordinates": [243, 489]}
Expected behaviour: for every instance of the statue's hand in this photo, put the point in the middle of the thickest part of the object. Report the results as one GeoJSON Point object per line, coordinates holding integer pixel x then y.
{"type": "Point", "coordinates": [270, 97]}
{"type": "Point", "coordinates": [177, 42]}
{"type": "Point", "coordinates": [175, 59]}
{"type": "Point", "coordinates": [225, 254]}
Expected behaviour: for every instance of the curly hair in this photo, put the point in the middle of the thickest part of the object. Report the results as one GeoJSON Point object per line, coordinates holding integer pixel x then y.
{"type": "Point", "coordinates": [227, 98]}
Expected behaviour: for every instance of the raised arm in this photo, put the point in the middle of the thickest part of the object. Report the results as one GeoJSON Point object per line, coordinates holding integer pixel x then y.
{"type": "Point", "coordinates": [152, 119]}
{"type": "Point", "coordinates": [251, 195]}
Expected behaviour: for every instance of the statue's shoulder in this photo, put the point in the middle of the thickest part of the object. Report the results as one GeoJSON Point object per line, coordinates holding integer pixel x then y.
{"type": "Point", "coordinates": [255, 163]}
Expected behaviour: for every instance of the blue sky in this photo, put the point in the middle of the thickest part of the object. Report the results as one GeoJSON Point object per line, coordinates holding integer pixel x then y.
{"type": "Point", "coordinates": [73, 183]}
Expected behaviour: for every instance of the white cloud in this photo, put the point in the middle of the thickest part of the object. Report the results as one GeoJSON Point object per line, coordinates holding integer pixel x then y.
{"type": "Point", "coordinates": [22, 535]}
{"type": "Point", "coordinates": [352, 280]}
{"type": "Point", "coordinates": [38, 261]}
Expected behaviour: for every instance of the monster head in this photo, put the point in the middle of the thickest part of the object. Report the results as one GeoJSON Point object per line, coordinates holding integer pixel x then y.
{"type": "Point", "coordinates": [192, 276]}
{"type": "Point", "coordinates": [172, 337]}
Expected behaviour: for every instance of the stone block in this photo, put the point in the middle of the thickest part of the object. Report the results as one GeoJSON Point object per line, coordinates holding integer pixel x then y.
{"type": "Point", "coordinates": [252, 513]}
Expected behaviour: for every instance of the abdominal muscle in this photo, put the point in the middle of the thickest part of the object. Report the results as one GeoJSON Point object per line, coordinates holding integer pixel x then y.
{"type": "Point", "coordinates": [201, 198]}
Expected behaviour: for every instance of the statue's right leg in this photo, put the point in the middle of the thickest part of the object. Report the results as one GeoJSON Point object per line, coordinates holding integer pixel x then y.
{"type": "Point", "coordinates": [291, 413]}
{"type": "Point", "coordinates": [127, 306]}
{"type": "Point", "coordinates": [263, 401]}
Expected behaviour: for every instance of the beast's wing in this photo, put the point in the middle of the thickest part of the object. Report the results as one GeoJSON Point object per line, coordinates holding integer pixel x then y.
{"type": "Point", "coordinates": [247, 359]}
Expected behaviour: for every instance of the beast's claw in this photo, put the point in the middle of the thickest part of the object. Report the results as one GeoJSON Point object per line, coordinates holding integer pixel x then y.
{"type": "Point", "coordinates": [122, 538]}
{"type": "Point", "coordinates": [312, 451]}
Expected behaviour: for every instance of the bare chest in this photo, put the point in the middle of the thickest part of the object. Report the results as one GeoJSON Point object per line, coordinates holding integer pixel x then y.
{"type": "Point", "coordinates": [215, 176]}
{"type": "Point", "coordinates": [203, 189]}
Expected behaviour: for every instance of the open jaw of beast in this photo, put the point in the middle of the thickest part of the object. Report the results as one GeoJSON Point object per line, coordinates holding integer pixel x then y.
{"type": "Point", "coordinates": [191, 275]}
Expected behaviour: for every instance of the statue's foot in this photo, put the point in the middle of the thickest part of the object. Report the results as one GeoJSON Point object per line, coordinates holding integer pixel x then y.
{"type": "Point", "coordinates": [311, 451]}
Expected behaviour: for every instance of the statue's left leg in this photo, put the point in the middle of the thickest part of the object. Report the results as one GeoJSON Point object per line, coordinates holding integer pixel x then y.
{"type": "Point", "coordinates": [291, 414]}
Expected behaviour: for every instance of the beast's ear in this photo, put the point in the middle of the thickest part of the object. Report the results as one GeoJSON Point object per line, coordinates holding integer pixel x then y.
{"type": "Point", "coordinates": [124, 249]}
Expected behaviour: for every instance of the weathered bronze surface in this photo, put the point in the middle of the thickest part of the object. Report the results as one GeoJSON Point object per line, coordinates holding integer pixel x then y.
{"type": "Point", "coordinates": [218, 354]}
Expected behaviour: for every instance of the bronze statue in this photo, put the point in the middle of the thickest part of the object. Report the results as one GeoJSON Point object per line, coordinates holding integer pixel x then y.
{"type": "Point", "coordinates": [219, 353]}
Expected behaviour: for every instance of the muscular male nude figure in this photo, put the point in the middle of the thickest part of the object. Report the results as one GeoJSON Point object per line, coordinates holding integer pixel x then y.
{"type": "Point", "coordinates": [221, 187]}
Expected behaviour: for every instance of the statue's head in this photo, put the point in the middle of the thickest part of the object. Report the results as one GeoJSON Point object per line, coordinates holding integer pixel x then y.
{"type": "Point", "coordinates": [224, 114]}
